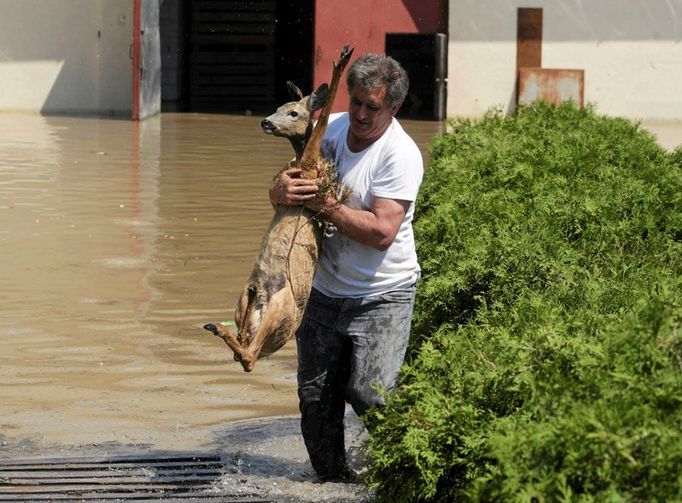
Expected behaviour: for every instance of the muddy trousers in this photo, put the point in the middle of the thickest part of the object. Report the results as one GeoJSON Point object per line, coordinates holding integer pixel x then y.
{"type": "Point", "coordinates": [347, 347]}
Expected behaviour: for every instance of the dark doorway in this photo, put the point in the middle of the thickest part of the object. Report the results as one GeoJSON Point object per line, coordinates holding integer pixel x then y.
{"type": "Point", "coordinates": [424, 57]}
{"type": "Point", "coordinates": [228, 56]}
{"type": "Point", "coordinates": [294, 47]}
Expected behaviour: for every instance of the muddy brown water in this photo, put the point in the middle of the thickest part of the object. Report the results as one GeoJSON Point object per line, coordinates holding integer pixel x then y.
{"type": "Point", "coordinates": [118, 241]}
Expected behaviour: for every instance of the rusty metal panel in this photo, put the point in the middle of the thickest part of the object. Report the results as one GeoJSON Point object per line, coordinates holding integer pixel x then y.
{"type": "Point", "coordinates": [529, 38]}
{"type": "Point", "coordinates": [552, 85]}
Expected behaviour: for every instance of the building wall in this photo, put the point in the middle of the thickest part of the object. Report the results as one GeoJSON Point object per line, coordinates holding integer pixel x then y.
{"type": "Point", "coordinates": [363, 24]}
{"type": "Point", "coordinates": [630, 51]}
{"type": "Point", "coordinates": [66, 57]}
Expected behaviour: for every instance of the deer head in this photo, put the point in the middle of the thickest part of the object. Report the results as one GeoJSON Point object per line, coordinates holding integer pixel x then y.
{"type": "Point", "coordinates": [294, 120]}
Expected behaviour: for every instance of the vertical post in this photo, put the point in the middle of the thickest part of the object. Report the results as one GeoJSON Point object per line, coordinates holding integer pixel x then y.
{"type": "Point", "coordinates": [528, 41]}
{"type": "Point", "coordinates": [529, 38]}
{"type": "Point", "coordinates": [441, 77]}
{"type": "Point", "coordinates": [136, 55]}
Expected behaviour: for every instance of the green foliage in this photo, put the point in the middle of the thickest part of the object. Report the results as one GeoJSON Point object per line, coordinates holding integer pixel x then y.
{"type": "Point", "coordinates": [546, 361]}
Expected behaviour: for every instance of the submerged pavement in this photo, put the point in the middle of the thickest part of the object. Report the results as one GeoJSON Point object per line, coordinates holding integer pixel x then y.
{"type": "Point", "coordinates": [259, 459]}
{"type": "Point", "coordinates": [267, 457]}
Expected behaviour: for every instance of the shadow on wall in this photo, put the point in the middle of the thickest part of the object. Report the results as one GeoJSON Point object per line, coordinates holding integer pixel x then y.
{"type": "Point", "coordinates": [66, 57]}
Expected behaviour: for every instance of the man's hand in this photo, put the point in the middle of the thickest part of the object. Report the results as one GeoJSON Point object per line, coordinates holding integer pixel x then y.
{"type": "Point", "coordinates": [326, 204]}
{"type": "Point", "coordinates": [290, 189]}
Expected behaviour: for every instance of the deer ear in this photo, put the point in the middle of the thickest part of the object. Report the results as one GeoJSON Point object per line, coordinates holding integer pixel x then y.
{"type": "Point", "coordinates": [318, 98]}
{"type": "Point", "coordinates": [294, 91]}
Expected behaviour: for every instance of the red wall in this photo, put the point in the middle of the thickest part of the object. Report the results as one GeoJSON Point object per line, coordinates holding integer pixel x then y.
{"type": "Point", "coordinates": [363, 24]}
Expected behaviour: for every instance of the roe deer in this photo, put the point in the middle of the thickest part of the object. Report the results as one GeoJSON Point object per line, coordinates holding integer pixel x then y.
{"type": "Point", "coordinates": [271, 306]}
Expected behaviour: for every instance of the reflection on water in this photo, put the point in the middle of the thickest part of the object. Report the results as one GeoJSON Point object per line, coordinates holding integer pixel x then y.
{"type": "Point", "coordinates": [119, 240]}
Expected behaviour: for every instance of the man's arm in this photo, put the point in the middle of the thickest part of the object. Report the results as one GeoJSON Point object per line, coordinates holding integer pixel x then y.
{"type": "Point", "coordinates": [376, 227]}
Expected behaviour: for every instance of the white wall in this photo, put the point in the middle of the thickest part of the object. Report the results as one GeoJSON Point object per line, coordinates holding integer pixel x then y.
{"type": "Point", "coordinates": [60, 56]}
{"type": "Point", "coordinates": [631, 52]}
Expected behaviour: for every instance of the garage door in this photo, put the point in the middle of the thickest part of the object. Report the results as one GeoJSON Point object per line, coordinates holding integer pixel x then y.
{"type": "Point", "coordinates": [232, 55]}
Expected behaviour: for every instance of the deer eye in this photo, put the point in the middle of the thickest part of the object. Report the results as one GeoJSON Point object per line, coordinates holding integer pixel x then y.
{"type": "Point", "coordinates": [293, 113]}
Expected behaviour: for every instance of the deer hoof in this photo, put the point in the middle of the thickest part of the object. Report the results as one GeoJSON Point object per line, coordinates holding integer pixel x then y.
{"type": "Point", "coordinates": [346, 52]}
{"type": "Point", "coordinates": [248, 365]}
{"type": "Point", "coordinates": [211, 327]}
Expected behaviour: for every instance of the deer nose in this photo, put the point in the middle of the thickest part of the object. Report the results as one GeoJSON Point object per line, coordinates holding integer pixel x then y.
{"type": "Point", "coordinates": [266, 124]}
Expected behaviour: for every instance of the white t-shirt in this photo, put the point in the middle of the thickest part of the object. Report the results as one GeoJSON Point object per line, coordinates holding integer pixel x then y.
{"type": "Point", "coordinates": [391, 167]}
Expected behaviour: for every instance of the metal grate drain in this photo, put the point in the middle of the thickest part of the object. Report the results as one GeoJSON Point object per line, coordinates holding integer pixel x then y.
{"type": "Point", "coordinates": [121, 478]}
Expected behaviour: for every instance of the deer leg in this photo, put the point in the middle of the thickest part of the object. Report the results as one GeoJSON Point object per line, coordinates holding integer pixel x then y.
{"type": "Point", "coordinates": [219, 330]}
{"type": "Point", "coordinates": [281, 312]}
{"type": "Point", "coordinates": [243, 314]}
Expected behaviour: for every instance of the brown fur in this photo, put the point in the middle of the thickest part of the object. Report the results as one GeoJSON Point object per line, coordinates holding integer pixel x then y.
{"type": "Point", "coordinates": [271, 306]}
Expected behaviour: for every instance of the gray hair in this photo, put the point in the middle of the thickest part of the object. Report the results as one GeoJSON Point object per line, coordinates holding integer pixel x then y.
{"type": "Point", "coordinates": [372, 71]}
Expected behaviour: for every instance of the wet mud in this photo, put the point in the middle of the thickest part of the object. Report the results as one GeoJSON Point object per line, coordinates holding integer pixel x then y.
{"type": "Point", "coordinates": [267, 457]}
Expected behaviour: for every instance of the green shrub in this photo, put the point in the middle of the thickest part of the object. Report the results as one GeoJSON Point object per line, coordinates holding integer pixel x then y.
{"type": "Point", "coordinates": [546, 360]}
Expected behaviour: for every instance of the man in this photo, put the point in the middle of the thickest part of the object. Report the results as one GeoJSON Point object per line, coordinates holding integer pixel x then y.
{"type": "Point", "coordinates": [357, 323]}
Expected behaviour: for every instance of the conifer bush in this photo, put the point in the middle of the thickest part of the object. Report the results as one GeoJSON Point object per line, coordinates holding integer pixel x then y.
{"type": "Point", "coordinates": [546, 357]}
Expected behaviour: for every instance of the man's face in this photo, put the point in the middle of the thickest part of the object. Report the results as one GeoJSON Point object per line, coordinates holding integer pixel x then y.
{"type": "Point", "coordinates": [369, 113]}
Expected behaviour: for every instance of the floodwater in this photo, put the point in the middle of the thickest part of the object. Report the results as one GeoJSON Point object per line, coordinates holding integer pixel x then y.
{"type": "Point", "coordinates": [118, 241]}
